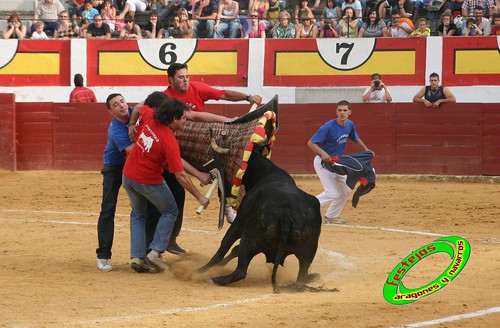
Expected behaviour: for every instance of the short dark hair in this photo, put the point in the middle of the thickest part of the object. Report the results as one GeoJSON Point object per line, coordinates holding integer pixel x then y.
{"type": "Point", "coordinates": [376, 76]}
{"type": "Point", "coordinates": [434, 75]}
{"type": "Point", "coordinates": [478, 8]}
{"type": "Point", "coordinates": [155, 99]}
{"type": "Point", "coordinates": [111, 96]}
{"type": "Point", "coordinates": [170, 110]}
{"type": "Point", "coordinates": [78, 80]}
{"type": "Point", "coordinates": [172, 69]}
{"type": "Point", "coordinates": [344, 103]}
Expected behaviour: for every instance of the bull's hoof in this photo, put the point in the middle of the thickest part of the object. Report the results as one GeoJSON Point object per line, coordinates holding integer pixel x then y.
{"type": "Point", "coordinates": [219, 281]}
{"type": "Point", "coordinates": [311, 277]}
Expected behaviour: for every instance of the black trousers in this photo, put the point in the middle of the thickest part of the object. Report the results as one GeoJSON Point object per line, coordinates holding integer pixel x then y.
{"type": "Point", "coordinates": [153, 214]}
{"type": "Point", "coordinates": [111, 183]}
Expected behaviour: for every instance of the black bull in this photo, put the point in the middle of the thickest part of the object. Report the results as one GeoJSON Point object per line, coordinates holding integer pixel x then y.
{"type": "Point", "coordinates": [276, 218]}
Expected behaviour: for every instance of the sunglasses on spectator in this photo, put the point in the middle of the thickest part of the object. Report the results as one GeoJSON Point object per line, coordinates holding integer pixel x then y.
{"type": "Point", "coordinates": [130, 21]}
{"type": "Point", "coordinates": [254, 16]}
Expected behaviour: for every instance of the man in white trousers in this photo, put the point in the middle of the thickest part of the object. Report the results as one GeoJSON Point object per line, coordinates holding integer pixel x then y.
{"type": "Point", "coordinates": [328, 143]}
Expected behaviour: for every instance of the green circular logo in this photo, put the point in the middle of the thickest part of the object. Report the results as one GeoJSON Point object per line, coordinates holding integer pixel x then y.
{"type": "Point", "coordinates": [459, 250]}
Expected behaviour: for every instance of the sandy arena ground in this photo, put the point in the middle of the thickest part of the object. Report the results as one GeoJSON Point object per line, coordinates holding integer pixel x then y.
{"type": "Point", "coordinates": [49, 277]}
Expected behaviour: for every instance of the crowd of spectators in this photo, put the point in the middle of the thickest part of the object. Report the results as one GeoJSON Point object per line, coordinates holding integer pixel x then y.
{"type": "Point", "coordinates": [54, 19]}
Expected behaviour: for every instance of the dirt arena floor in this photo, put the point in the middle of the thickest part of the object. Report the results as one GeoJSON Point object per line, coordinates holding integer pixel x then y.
{"type": "Point", "coordinates": [49, 278]}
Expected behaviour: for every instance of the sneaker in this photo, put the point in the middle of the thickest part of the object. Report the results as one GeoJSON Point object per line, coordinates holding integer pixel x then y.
{"type": "Point", "coordinates": [143, 266]}
{"type": "Point", "coordinates": [230, 213]}
{"type": "Point", "coordinates": [174, 248]}
{"type": "Point", "coordinates": [156, 262]}
{"type": "Point", "coordinates": [337, 220]}
{"type": "Point", "coordinates": [104, 265]}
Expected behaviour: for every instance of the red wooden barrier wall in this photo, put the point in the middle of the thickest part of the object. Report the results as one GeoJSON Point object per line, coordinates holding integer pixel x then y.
{"type": "Point", "coordinates": [7, 132]}
{"type": "Point", "coordinates": [460, 139]}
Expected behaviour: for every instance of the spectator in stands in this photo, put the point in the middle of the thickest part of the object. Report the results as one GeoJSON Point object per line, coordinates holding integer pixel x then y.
{"type": "Point", "coordinates": [48, 12]}
{"type": "Point", "coordinates": [98, 4]}
{"type": "Point", "coordinates": [471, 29]}
{"type": "Point", "coordinates": [262, 8]}
{"type": "Point", "coordinates": [483, 25]}
{"type": "Point", "coordinates": [15, 28]}
{"type": "Point", "coordinates": [447, 26]}
{"type": "Point", "coordinates": [397, 28]}
{"type": "Point", "coordinates": [255, 29]}
{"type": "Point", "coordinates": [89, 11]}
{"type": "Point", "coordinates": [306, 30]}
{"type": "Point", "coordinates": [435, 9]}
{"type": "Point", "coordinates": [328, 31]}
{"type": "Point", "coordinates": [226, 22]}
{"type": "Point", "coordinates": [81, 94]}
{"type": "Point", "coordinates": [469, 7]}
{"type": "Point", "coordinates": [204, 14]}
{"type": "Point", "coordinates": [495, 30]}
{"type": "Point", "coordinates": [356, 5]}
{"type": "Point", "coordinates": [183, 25]}
{"type": "Point", "coordinates": [98, 29]}
{"type": "Point", "coordinates": [131, 30]}
{"type": "Point", "coordinates": [404, 7]}
{"type": "Point", "coordinates": [332, 12]}
{"type": "Point", "coordinates": [374, 27]}
{"type": "Point", "coordinates": [377, 92]}
{"type": "Point", "coordinates": [38, 33]}
{"type": "Point", "coordinates": [434, 95]}
{"type": "Point", "coordinates": [83, 24]}
{"type": "Point", "coordinates": [348, 25]}
{"type": "Point", "coordinates": [131, 6]}
{"type": "Point", "coordinates": [76, 10]}
{"type": "Point", "coordinates": [154, 28]}
{"type": "Point", "coordinates": [108, 13]}
{"type": "Point", "coordinates": [301, 9]}
{"type": "Point", "coordinates": [66, 29]}
{"type": "Point", "coordinates": [423, 29]}
{"type": "Point", "coordinates": [167, 9]}
{"type": "Point", "coordinates": [316, 4]}
{"type": "Point", "coordinates": [285, 29]}
{"type": "Point", "coordinates": [275, 8]}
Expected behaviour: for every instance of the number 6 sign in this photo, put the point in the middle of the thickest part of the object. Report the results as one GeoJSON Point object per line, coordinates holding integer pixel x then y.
{"type": "Point", "coordinates": [161, 55]}
{"type": "Point", "coordinates": [345, 54]}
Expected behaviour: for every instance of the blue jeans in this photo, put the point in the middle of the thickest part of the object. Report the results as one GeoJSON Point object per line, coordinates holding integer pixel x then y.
{"type": "Point", "coordinates": [209, 27]}
{"type": "Point", "coordinates": [224, 26]}
{"type": "Point", "coordinates": [161, 197]}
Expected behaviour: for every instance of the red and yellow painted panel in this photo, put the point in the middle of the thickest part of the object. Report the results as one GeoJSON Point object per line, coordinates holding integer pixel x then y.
{"type": "Point", "coordinates": [34, 63]}
{"type": "Point", "coordinates": [145, 62]}
{"type": "Point", "coordinates": [344, 62]}
{"type": "Point", "coordinates": [471, 61]}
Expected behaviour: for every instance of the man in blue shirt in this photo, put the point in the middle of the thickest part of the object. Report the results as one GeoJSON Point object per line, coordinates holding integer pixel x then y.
{"type": "Point", "coordinates": [117, 147]}
{"type": "Point", "coordinates": [330, 141]}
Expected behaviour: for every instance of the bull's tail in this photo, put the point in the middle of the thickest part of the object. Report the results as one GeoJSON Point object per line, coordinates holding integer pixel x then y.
{"type": "Point", "coordinates": [285, 232]}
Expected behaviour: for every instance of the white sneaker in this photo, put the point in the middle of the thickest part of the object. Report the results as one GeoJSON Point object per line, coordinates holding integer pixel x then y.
{"type": "Point", "coordinates": [337, 220]}
{"type": "Point", "coordinates": [157, 261]}
{"type": "Point", "coordinates": [104, 265]}
{"type": "Point", "coordinates": [230, 213]}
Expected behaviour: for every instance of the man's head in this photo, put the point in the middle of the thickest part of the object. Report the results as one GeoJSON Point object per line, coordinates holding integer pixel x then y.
{"type": "Point", "coordinates": [172, 113]}
{"type": "Point", "coordinates": [155, 99]}
{"type": "Point", "coordinates": [98, 21]}
{"type": "Point", "coordinates": [478, 13]}
{"type": "Point", "coordinates": [178, 77]}
{"type": "Point", "coordinates": [118, 107]}
{"type": "Point", "coordinates": [434, 80]}
{"type": "Point", "coordinates": [78, 80]}
{"type": "Point", "coordinates": [376, 79]}
{"type": "Point", "coordinates": [496, 20]}
{"type": "Point", "coordinates": [343, 111]}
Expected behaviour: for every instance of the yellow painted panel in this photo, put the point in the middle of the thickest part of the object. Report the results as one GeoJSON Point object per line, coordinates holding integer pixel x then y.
{"type": "Point", "coordinates": [310, 63]}
{"type": "Point", "coordinates": [33, 64]}
{"type": "Point", "coordinates": [477, 62]}
{"type": "Point", "coordinates": [131, 63]}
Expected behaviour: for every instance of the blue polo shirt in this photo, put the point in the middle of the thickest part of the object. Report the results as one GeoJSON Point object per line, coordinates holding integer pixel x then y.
{"type": "Point", "coordinates": [332, 137]}
{"type": "Point", "coordinates": [118, 140]}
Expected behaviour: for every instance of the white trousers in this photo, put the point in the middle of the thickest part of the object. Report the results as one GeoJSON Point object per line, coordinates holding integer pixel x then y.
{"type": "Point", "coordinates": [335, 190]}
{"type": "Point", "coordinates": [136, 5]}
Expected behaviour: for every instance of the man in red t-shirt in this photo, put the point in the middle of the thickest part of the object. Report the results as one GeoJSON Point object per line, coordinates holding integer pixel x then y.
{"type": "Point", "coordinates": [156, 147]}
{"type": "Point", "coordinates": [80, 94]}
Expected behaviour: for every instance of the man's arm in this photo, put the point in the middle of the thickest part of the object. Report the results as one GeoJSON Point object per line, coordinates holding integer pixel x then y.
{"type": "Point", "coordinates": [231, 95]}
{"type": "Point", "coordinates": [134, 116]}
{"type": "Point", "coordinates": [419, 98]}
{"type": "Point", "coordinates": [449, 98]}
{"type": "Point", "coordinates": [388, 96]}
{"type": "Point", "coordinates": [360, 144]}
{"type": "Point", "coordinates": [186, 182]}
{"type": "Point", "coordinates": [318, 150]}
{"type": "Point", "coordinates": [204, 177]}
{"type": "Point", "coordinates": [206, 117]}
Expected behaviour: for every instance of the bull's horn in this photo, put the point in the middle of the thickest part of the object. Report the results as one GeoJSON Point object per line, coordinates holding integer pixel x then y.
{"type": "Point", "coordinates": [218, 148]}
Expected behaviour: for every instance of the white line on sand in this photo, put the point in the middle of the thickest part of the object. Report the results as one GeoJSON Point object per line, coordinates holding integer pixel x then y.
{"type": "Point", "coordinates": [390, 229]}
{"type": "Point", "coordinates": [452, 318]}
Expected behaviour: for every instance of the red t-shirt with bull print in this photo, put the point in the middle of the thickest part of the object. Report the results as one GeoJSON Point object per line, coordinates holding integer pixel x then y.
{"type": "Point", "coordinates": [196, 96]}
{"type": "Point", "coordinates": [155, 148]}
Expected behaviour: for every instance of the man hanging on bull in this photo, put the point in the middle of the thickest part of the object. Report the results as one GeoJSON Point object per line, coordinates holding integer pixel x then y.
{"type": "Point", "coordinates": [329, 143]}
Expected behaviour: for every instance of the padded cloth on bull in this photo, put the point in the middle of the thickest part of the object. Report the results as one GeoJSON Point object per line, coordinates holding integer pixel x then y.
{"type": "Point", "coordinates": [239, 135]}
{"type": "Point", "coordinates": [357, 167]}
